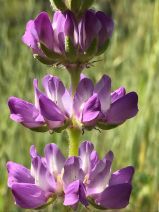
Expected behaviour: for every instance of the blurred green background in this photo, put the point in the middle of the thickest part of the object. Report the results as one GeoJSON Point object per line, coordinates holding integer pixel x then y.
{"type": "Point", "coordinates": [132, 61]}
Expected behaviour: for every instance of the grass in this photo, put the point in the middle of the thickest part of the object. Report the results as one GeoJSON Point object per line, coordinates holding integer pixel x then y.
{"type": "Point", "coordinates": [131, 61]}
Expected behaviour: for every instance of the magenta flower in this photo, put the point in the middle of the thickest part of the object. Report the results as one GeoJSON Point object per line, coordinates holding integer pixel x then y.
{"type": "Point", "coordinates": [84, 179]}
{"type": "Point", "coordinates": [65, 40]}
{"type": "Point", "coordinates": [91, 106]}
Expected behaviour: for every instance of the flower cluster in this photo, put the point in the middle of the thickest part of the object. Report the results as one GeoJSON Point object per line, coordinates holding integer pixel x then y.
{"type": "Point", "coordinates": [85, 179]}
{"type": "Point", "coordinates": [73, 38]}
{"type": "Point", "coordinates": [91, 106]}
{"type": "Point", "coordinates": [68, 41]}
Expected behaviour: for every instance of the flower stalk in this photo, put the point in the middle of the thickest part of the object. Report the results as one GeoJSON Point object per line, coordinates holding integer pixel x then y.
{"type": "Point", "coordinates": [74, 134]}
{"type": "Point", "coordinates": [75, 72]}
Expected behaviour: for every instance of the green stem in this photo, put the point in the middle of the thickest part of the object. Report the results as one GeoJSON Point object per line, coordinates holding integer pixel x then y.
{"type": "Point", "coordinates": [74, 140]}
{"type": "Point", "coordinates": [75, 72]}
{"type": "Point", "coordinates": [75, 78]}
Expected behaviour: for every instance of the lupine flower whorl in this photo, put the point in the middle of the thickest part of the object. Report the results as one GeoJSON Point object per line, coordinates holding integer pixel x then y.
{"type": "Point", "coordinates": [55, 109]}
{"type": "Point", "coordinates": [84, 179]}
{"type": "Point", "coordinates": [66, 40]}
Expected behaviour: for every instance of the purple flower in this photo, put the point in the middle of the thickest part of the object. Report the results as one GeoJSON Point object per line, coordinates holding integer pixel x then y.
{"type": "Point", "coordinates": [95, 28]}
{"type": "Point", "coordinates": [84, 179]}
{"type": "Point", "coordinates": [68, 41]}
{"type": "Point", "coordinates": [48, 39]}
{"type": "Point", "coordinates": [91, 106]}
{"type": "Point", "coordinates": [96, 105]}
{"type": "Point", "coordinates": [51, 110]}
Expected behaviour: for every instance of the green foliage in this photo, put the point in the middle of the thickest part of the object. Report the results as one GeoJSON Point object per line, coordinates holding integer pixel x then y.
{"type": "Point", "coordinates": [131, 61]}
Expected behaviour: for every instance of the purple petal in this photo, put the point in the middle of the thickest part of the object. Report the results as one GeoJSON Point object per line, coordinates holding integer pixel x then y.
{"type": "Point", "coordinates": [94, 159]}
{"type": "Point", "coordinates": [89, 28]}
{"type": "Point", "coordinates": [103, 88]}
{"type": "Point", "coordinates": [91, 110]}
{"type": "Point", "coordinates": [28, 195]}
{"type": "Point", "coordinates": [33, 152]}
{"type": "Point", "coordinates": [122, 176]}
{"type": "Point", "coordinates": [44, 30]}
{"type": "Point", "coordinates": [72, 193]}
{"type": "Point", "coordinates": [83, 93]}
{"type": "Point", "coordinates": [114, 197]}
{"type": "Point", "coordinates": [43, 178]}
{"type": "Point", "coordinates": [72, 171]}
{"type": "Point", "coordinates": [117, 94]}
{"type": "Point", "coordinates": [25, 113]}
{"type": "Point", "coordinates": [99, 177]}
{"type": "Point", "coordinates": [69, 25]}
{"type": "Point", "coordinates": [55, 159]}
{"type": "Point", "coordinates": [108, 157]}
{"type": "Point", "coordinates": [58, 27]}
{"type": "Point", "coordinates": [51, 112]}
{"type": "Point", "coordinates": [85, 151]}
{"type": "Point", "coordinates": [107, 27]}
{"type": "Point", "coordinates": [37, 93]}
{"type": "Point", "coordinates": [54, 88]}
{"type": "Point", "coordinates": [75, 193]}
{"type": "Point", "coordinates": [31, 39]}
{"type": "Point", "coordinates": [56, 91]}
{"type": "Point", "coordinates": [18, 174]}
{"type": "Point", "coordinates": [122, 109]}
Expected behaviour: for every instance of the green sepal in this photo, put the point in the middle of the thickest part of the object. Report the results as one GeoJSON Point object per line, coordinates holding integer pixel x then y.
{"type": "Point", "coordinates": [50, 201]}
{"type": "Point", "coordinates": [49, 53]}
{"type": "Point", "coordinates": [86, 4]}
{"type": "Point", "coordinates": [104, 47]}
{"type": "Point", "coordinates": [90, 52]}
{"type": "Point", "coordinates": [43, 60]}
{"type": "Point", "coordinates": [60, 129]}
{"type": "Point", "coordinates": [70, 49]}
{"type": "Point", "coordinates": [59, 4]}
{"type": "Point", "coordinates": [92, 202]}
{"type": "Point", "coordinates": [40, 129]}
{"type": "Point", "coordinates": [89, 128]}
{"type": "Point", "coordinates": [104, 126]}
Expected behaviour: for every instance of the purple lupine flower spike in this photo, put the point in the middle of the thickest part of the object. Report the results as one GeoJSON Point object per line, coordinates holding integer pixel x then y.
{"type": "Point", "coordinates": [84, 179]}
